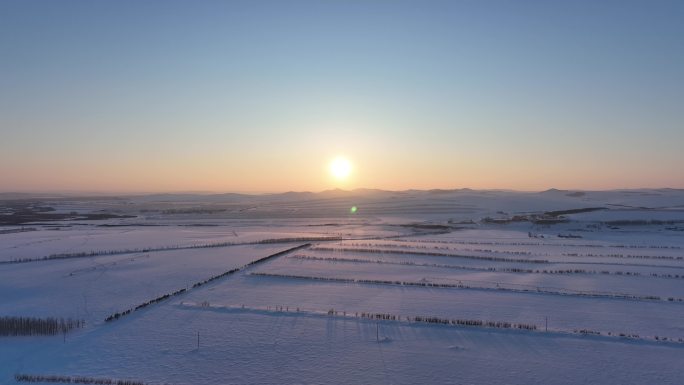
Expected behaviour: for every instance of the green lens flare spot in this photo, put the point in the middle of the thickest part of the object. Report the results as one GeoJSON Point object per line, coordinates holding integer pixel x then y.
{"type": "Point", "coordinates": [353, 209]}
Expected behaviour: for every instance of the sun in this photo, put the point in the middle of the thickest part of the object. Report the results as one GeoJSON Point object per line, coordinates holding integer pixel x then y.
{"type": "Point", "coordinates": [340, 168]}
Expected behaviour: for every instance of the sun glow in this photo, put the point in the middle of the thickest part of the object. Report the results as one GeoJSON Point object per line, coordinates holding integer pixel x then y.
{"type": "Point", "coordinates": [340, 168]}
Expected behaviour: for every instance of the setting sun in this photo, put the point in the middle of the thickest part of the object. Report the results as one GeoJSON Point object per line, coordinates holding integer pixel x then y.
{"type": "Point", "coordinates": [340, 168]}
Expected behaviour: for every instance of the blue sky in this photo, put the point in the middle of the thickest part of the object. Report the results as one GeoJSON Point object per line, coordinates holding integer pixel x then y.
{"type": "Point", "coordinates": [260, 95]}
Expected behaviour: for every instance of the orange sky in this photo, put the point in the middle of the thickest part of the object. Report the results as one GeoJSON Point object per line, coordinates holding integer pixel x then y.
{"type": "Point", "coordinates": [250, 98]}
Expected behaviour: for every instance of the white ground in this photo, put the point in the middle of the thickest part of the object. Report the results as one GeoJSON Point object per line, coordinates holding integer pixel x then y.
{"type": "Point", "coordinates": [245, 336]}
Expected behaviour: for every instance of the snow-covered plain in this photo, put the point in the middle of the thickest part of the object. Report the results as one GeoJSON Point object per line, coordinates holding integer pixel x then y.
{"type": "Point", "coordinates": [299, 317]}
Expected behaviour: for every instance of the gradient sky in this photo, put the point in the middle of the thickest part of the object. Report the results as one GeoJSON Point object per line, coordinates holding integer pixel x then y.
{"type": "Point", "coordinates": [259, 96]}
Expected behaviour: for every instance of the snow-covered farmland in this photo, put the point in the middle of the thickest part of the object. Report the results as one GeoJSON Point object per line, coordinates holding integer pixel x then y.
{"type": "Point", "coordinates": [188, 293]}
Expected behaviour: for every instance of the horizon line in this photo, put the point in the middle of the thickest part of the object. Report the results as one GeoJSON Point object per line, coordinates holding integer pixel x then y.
{"type": "Point", "coordinates": [86, 193]}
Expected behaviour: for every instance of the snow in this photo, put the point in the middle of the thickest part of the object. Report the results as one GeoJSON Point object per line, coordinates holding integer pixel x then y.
{"type": "Point", "coordinates": [260, 325]}
{"type": "Point", "coordinates": [93, 288]}
{"type": "Point", "coordinates": [160, 346]}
